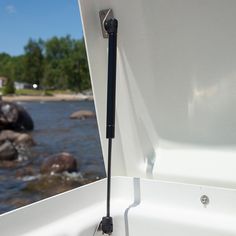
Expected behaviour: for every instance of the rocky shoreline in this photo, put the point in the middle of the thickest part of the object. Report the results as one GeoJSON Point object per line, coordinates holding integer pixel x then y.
{"type": "Point", "coordinates": [41, 177]}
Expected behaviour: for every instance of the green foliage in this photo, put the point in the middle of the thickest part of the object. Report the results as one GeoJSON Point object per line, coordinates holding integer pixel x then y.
{"type": "Point", "coordinates": [33, 62]}
{"type": "Point", "coordinates": [9, 88]}
{"type": "Point", "coordinates": [11, 67]}
{"type": "Point", "coordinates": [58, 63]}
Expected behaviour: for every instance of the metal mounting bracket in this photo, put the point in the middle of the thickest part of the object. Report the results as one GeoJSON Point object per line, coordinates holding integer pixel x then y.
{"type": "Point", "coordinates": [104, 15]}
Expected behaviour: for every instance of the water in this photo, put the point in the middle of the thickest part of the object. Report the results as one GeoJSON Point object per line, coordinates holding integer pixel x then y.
{"type": "Point", "coordinates": [54, 132]}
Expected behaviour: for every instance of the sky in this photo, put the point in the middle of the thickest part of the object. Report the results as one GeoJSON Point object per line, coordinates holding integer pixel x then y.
{"type": "Point", "coordinates": [24, 19]}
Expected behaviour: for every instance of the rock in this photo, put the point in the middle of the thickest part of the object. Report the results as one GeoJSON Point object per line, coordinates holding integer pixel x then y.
{"type": "Point", "coordinates": [8, 164]}
{"type": "Point", "coordinates": [59, 163]}
{"type": "Point", "coordinates": [14, 145]}
{"type": "Point", "coordinates": [7, 151]}
{"type": "Point", "coordinates": [8, 135]}
{"type": "Point", "coordinates": [8, 113]}
{"type": "Point", "coordinates": [25, 140]}
{"type": "Point", "coordinates": [18, 202]}
{"type": "Point", "coordinates": [14, 117]}
{"type": "Point", "coordinates": [94, 172]}
{"type": "Point", "coordinates": [51, 185]}
{"type": "Point", "coordinates": [83, 114]}
{"type": "Point", "coordinates": [16, 138]}
{"type": "Point", "coordinates": [27, 171]}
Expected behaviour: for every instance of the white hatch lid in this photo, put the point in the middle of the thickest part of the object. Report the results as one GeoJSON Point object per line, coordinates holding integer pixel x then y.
{"type": "Point", "coordinates": [176, 87]}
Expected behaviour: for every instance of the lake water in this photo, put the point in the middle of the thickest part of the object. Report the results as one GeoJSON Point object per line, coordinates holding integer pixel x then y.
{"type": "Point", "coordinates": [54, 132]}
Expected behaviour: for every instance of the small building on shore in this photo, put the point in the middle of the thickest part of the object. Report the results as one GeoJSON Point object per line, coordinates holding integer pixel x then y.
{"type": "Point", "coordinates": [22, 85]}
{"type": "Point", "coordinates": [3, 81]}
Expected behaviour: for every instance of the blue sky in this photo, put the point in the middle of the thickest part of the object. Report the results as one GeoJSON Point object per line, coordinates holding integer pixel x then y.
{"type": "Point", "coordinates": [24, 19]}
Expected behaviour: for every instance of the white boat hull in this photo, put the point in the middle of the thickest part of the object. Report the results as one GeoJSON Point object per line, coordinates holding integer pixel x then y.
{"type": "Point", "coordinates": [139, 207]}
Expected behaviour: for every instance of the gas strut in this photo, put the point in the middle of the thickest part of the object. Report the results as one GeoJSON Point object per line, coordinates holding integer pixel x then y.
{"type": "Point", "coordinates": [110, 26]}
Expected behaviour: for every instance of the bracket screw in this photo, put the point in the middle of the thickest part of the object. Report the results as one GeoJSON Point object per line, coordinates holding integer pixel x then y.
{"type": "Point", "coordinates": [205, 200]}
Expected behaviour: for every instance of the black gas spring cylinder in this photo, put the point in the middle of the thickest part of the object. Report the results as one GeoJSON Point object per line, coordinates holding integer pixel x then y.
{"type": "Point", "coordinates": [111, 26]}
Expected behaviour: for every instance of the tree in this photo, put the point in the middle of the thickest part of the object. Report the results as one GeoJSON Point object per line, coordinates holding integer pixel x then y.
{"type": "Point", "coordinates": [34, 62]}
{"type": "Point", "coordinates": [77, 68]}
{"type": "Point", "coordinates": [9, 88]}
{"type": "Point", "coordinates": [5, 65]}
{"type": "Point", "coordinates": [83, 66]}
{"type": "Point", "coordinates": [18, 68]}
{"type": "Point", "coordinates": [59, 63]}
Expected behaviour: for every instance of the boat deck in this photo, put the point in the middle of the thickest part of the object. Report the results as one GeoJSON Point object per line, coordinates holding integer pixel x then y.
{"type": "Point", "coordinates": [139, 207]}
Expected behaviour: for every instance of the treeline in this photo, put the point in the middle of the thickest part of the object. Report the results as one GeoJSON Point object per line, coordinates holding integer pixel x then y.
{"type": "Point", "coordinates": [57, 63]}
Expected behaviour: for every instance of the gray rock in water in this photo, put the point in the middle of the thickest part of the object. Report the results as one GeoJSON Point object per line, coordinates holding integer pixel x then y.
{"type": "Point", "coordinates": [50, 185]}
{"type": "Point", "coordinates": [83, 114]}
{"type": "Point", "coordinates": [16, 138]}
{"type": "Point", "coordinates": [24, 140]}
{"type": "Point", "coordinates": [14, 117]}
{"type": "Point", "coordinates": [7, 151]}
{"type": "Point", "coordinates": [14, 145]}
{"type": "Point", "coordinates": [8, 135]}
{"type": "Point", "coordinates": [59, 163]}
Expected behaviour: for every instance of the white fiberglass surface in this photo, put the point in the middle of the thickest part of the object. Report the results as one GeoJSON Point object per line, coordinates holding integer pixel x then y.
{"type": "Point", "coordinates": [139, 207]}
{"type": "Point", "coordinates": [176, 83]}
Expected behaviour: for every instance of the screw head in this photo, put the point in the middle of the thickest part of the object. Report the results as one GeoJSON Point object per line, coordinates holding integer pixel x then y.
{"type": "Point", "coordinates": [204, 200]}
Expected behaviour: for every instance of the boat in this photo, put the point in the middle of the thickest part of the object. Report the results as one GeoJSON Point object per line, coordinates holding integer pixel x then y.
{"type": "Point", "coordinates": [173, 162]}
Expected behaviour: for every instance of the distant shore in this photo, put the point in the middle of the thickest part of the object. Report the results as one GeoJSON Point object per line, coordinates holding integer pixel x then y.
{"type": "Point", "coordinates": [54, 98]}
